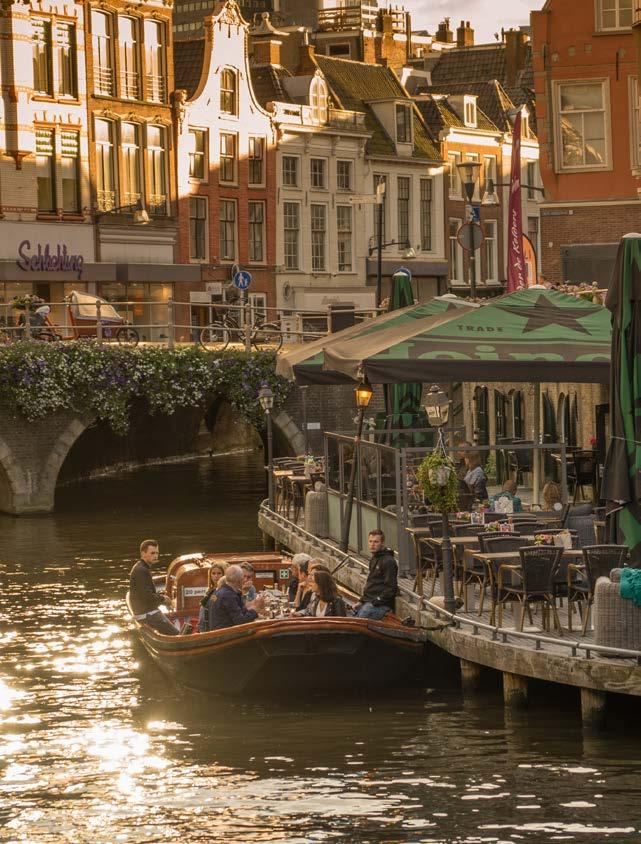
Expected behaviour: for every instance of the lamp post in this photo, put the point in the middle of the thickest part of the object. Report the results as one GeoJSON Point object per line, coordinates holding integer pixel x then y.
{"type": "Point", "coordinates": [266, 399]}
{"type": "Point", "coordinates": [437, 408]}
{"type": "Point", "coordinates": [363, 394]}
{"type": "Point", "coordinates": [469, 172]}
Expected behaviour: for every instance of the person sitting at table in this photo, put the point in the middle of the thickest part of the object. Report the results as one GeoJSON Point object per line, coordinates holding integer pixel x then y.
{"type": "Point", "coordinates": [508, 492]}
{"type": "Point", "coordinates": [475, 479]}
{"type": "Point", "coordinates": [229, 610]}
{"type": "Point", "coordinates": [299, 566]}
{"type": "Point", "coordinates": [216, 573]}
{"type": "Point", "coordinates": [325, 600]}
{"type": "Point", "coordinates": [552, 497]}
{"type": "Point", "coordinates": [305, 592]}
{"type": "Point", "coordinates": [249, 590]}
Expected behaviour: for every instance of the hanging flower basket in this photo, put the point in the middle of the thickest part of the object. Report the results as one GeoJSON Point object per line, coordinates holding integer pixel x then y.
{"type": "Point", "coordinates": [437, 476]}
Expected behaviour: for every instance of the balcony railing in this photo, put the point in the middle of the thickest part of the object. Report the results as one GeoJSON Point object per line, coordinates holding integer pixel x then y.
{"type": "Point", "coordinates": [158, 204]}
{"type": "Point", "coordinates": [303, 115]}
{"type": "Point", "coordinates": [103, 81]}
{"type": "Point", "coordinates": [105, 200]}
{"type": "Point", "coordinates": [156, 88]}
{"type": "Point", "coordinates": [358, 16]}
{"type": "Point", "coordinates": [130, 85]}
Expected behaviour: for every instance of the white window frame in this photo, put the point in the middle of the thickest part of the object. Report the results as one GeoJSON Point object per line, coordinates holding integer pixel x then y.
{"type": "Point", "coordinates": [454, 159]}
{"type": "Point", "coordinates": [297, 184]}
{"type": "Point", "coordinates": [406, 207]}
{"type": "Point", "coordinates": [491, 241]}
{"type": "Point", "coordinates": [558, 146]}
{"type": "Point", "coordinates": [325, 161]}
{"type": "Point", "coordinates": [255, 141]}
{"type": "Point", "coordinates": [339, 232]}
{"type": "Point", "coordinates": [453, 240]}
{"type": "Point", "coordinates": [490, 163]}
{"type": "Point", "coordinates": [234, 179]}
{"type": "Point", "coordinates": [263, 240]}
{"type": "Point", "coordinates": [407, 108]}
{"type": "Point", "coordinates": [205, 153]}
{"type": "Point", "coordinates": [313, 205]}
{"type": "Point", "coordinates": [319, 100]}
{"type": "Point", "coordinates": [350, 164]}
{"type": "Point", "coordinates": [226, 258]}
{"type": "Point", "coordinates": [103, 82]}
{"type": "Point", "coordinates": [635, 116]}
{"type": "Point", "coordinates": [421, 208]}
{"type": "Point", "coordinates": [476, 158]}
{"type": "Point", "coordinates": [292, 268]}
{"type": "Point", "coordinates": [470, 111]}
{"type": "Point", "coordinates": [599, 11]}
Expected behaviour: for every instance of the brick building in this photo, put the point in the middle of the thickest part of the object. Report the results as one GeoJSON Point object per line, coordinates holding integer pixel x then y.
{"type": "Point", "coordinates": [586, 83]}
{"type": "Point", "coordinates": [225, 147]}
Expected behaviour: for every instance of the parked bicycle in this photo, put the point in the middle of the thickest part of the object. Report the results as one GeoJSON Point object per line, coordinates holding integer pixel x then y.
{"type": "Point", "coordinates": [218, 335]}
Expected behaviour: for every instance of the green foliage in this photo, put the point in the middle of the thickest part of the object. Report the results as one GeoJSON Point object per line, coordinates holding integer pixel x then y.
{"type": "Point", "coordinates": [38, 379]}
{"type": "Point", "coordinates": [444, 499]}
{"type": "Point", "coordinates": [490, 468]}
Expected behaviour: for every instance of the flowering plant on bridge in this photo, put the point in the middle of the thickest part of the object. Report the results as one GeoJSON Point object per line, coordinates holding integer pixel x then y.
{"type": "Point", "coordinates": [39, 379]}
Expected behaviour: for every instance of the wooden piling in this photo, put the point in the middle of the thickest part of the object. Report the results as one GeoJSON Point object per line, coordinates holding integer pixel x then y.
{"type": "Point", "coordinates": [470, 675]}
{"type": "Point", "coordinates": [515, 690]}
{"type": "Point", "coordinates": [593, 708]}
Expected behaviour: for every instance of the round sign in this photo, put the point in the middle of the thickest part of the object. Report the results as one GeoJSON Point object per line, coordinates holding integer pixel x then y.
{"type": "Point", "coordinates": [242, 280]}
{"type": "Point", "coordinates": [470, 236]}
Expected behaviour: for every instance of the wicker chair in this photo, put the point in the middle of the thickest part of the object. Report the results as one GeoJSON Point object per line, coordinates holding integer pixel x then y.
{"type": "Point", "coordinates": [598, 561]}
{"type": "Point", "coordinates": [617, 621]}
{"type": "Point", "coordinates": [534, 583]}
{"type": "Point", "coordinates": [486, 573]}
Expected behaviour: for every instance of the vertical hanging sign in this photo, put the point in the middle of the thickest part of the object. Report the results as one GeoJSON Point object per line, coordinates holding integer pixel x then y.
{"type": "Point", "coordinates": [516, 269]}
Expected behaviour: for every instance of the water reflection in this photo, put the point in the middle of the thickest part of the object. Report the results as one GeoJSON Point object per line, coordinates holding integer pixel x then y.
{"type": "Point", "coordinates": [97, 746]}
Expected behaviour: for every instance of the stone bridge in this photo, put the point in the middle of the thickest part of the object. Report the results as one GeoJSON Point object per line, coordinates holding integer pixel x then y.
{"type": "Point", "coordinates": [36, 456]}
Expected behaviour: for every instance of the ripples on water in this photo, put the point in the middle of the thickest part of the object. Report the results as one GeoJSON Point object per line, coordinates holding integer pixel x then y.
{"type": "Point", "coordinates": [95, 746]}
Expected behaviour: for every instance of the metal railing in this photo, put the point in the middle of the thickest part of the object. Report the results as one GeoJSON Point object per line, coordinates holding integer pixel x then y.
{"type": "Point", "coordinates": [103, 81]}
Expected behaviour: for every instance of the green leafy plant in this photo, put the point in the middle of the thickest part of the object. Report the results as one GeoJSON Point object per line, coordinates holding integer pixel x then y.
{"type": "Point", "coordinates": [490, 468]}
{"type": "Point", "coordinates": [442, 498]}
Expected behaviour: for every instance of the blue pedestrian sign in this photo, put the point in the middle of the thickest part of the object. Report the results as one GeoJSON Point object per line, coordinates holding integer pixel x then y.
{"type": "Point", "coordinates": [242, 280]}
{"type": "Point", "coordinates": [475, 213]}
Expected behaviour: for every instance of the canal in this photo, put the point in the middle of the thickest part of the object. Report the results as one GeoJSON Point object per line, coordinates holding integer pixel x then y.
{"type": "Point", "coordinates": [96, 747]}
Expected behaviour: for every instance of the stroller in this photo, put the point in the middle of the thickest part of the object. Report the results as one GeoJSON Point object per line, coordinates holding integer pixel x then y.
{"type": "Point", "coordinates": [83, 317]}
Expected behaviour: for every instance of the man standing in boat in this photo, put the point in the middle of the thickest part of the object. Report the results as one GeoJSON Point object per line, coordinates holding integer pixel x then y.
{"type": "Point", "coordinates": [230, 609]}
{"type": "Point", "coordinates": [381, 587]}
{"type": "Point", "coordinates": [143, 597]}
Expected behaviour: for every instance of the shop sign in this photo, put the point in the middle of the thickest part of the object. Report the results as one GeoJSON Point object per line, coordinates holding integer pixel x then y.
{"type": "Point", "coordinates": [48, 259]}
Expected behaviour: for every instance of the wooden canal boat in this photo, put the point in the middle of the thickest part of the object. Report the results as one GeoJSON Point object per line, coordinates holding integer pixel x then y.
{"type": "Point", "coordinates": [271, 655]}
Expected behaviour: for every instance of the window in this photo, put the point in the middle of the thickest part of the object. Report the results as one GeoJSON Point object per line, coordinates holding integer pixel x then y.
{"type": "Point", "coordinates": [70, 171]}
{"type": "Point", "coordinates": [403, 124]}
{"type": "Point", "coordinates": [41, 51]}
{"type": "Point", "coordinates": [130, 145]}
{"type": "Point", "coordinates": [614, 14]}
{"type": "Point", "coordinates": [456, 253]}
{"type": "Point", "coordinates": [291, 224]}
{"type": "Point", "coordinates": [380, 179]}
{"type": "Point", "coordinates": [344, 175]}
{"type": "Point", "coordinates": [256, 232]}
{"type": "Point", "coordinates": [45, 170]}
{"type": "Point", "coordinates": [318, 172]}
{"type": "Point", "coordinates": [635, 152]}
{"type": "Point", "coordinates": [319, 237]}
{"type": "Point", "coordinates": [344, 229]}
{"type": "Point", "coordinates": [197, 228]}
{"type": "Point", "coordinates": [454, 159]}
{"type": "Point", "coordinates": [582, 125]}
{"type": "Point", "coordinates": [474, 156]}
{"type": "Point", "coordinates": [128, 41]}
{"type": "Point", "coordinates": [490, 247]}
{"type": "Point", "coordinates": [533, 235]}
{"type": "Point", "coordinates": [155, 70]}
{"type": "Point", "coordinates": [489, 165]}
{"type": "Point", "coordinates": [290, 171]}
{"type": "Point", "coordinates": [66, 59]}
{"type": "Point", "coordinates": [156, 153]}
{"type": "Point", "coordinates": [228, 88]}
{"type": "Point", "coordinates": [227, 230]}
{"type": "Point", "coordinates": [531, 179]}
{"type": "Point", "coordinates": [470, 112]}
{"type": "Point", "coordinates": [102, 57]}
{"type": "Point", "coordinates": [197, 154]}
{"type": "Point", "coordinates": [256, 156]}
{"type": "Point", "coordinates": [426, 215]}
{"type": "Point", "coordinates": [318, 100]}
{"type": "Point", "coordinates": [227, 157]}
{"type": "Point", "coordinates": [105, 169]}
{"type": "Point", "coordinates": [403, 209]}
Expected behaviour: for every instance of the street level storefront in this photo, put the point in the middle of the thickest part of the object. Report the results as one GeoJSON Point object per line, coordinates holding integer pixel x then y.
{"type": "Point", "coordinates": [429, 278]}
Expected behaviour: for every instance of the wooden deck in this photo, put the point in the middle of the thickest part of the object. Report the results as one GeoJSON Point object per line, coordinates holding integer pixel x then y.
{"type": "Point", "coordinates": [571, 659]}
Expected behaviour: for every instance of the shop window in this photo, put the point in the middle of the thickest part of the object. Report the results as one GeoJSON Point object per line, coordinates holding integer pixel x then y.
{"type": "Point", "coordinates": [155, 65]}
{"type": "Point", "coordinates": [46, 170]}
{"type": "Point", "coordinates": [70, 167]}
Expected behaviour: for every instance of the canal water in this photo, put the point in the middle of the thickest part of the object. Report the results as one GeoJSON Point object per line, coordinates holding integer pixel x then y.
{"type": "Point", "coordinates": [96, 746]}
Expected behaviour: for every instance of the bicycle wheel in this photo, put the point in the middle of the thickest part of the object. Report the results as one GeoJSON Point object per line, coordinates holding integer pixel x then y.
{"type": "Point", "coordinates": [214, 336]}
{"type": "Point", "coordinates": [127, 336]}
{"type": "Point", "coordinates": [267, 335]}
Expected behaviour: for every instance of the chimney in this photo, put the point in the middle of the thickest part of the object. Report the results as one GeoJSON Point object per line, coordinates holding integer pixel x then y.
{"type": "Point", "coordinates": [267, 52]}
{"type": "Point", "coordinates": [266, 41]}
{"type": "Point", "coordinates": [306, 64]}
{"type": "Point", "coordinates": [465, 35]}
{"type": "Point", "coordinates": [515, 54]}
{"type": "Point", "coordinates": [444, 34]}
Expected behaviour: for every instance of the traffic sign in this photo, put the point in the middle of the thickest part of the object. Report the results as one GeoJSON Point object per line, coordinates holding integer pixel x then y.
{"type": "Point", "coordinates": [475, 212]}
{"type": "Point", "coordinates": [242, 280]}
{"type": "Point", "coordinates": [470, 236]}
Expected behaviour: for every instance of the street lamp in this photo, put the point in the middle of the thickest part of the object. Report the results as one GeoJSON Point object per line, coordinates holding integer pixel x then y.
{"type": "Point", "coordinates": [266, 399]}
{"type": "Point", "coordinates": [469, 173]}
{"type": "Point", "coordinates": [140, 214]}
{"type": "Point", "coordinates": [437, 409]}
{"type": "Point", "coordinates": [363, 394]}
{"type": "Point", "coordinates": [405, 245]}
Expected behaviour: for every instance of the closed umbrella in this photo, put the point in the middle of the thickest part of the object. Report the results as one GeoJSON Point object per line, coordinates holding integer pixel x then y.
{"type": "Point", "coordinates": [621, 486]}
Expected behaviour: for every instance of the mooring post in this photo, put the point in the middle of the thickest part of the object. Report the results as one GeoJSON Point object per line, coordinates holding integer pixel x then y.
{"type": "Point", "coordinates": [515, 690]}
{"type": "Point", "coordinates": [593, 708]}
{"type": "Point", "coordinates": [470, 675]}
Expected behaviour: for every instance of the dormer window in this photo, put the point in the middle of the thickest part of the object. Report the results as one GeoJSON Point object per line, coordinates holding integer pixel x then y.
{"type": "Point", "coordinates": [318, 99]}
{"type": "Point", "coordinates": [403, 124]}
{"type": "Point", "coordinates": [470, 115]}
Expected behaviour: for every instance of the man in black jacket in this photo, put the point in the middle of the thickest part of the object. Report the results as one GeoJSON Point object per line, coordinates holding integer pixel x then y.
{"type": "Point", "coordinates": [229, 609]}
{"type": "Point", "coordinates": [144, 599]}
{"type": "Point", "coordinates": [381, 587]}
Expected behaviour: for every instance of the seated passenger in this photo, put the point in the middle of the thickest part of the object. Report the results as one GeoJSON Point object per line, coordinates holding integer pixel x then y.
{"type": "Point", "coordinates": [298, 561]}
{"type": "Point", "coordinates": [216, 572]}
{"type": "Point", "coordinates": [249, 590]}
{"type": "Point", "coordinates": [326, 601]}
{"type": "Point", "coordinates": [303, 592]}
{"type": "Point", "coordinates": [229, 609]}
{"type": "Point", "coordinates": [508, 492]}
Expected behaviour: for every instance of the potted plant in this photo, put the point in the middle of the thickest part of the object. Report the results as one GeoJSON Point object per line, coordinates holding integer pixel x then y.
{"type": "Point", "coordinates": [28, 302]}
{"type": "Point", "coordinates": [437, 476]}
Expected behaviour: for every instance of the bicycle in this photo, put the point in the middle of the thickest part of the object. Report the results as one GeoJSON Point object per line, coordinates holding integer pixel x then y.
{"type": "Point", "coordinates": [218, 335]}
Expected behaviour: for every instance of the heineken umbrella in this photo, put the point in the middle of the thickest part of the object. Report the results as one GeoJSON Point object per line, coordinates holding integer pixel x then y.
{"type": "Point", "coordinates": [534, 335]}
{"type": "Point", "coordinates": [305, 363]}
{"type": "Point", "coordinates": [402, 401]}
{"type": "Point", "coordinates": [621, 486]}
